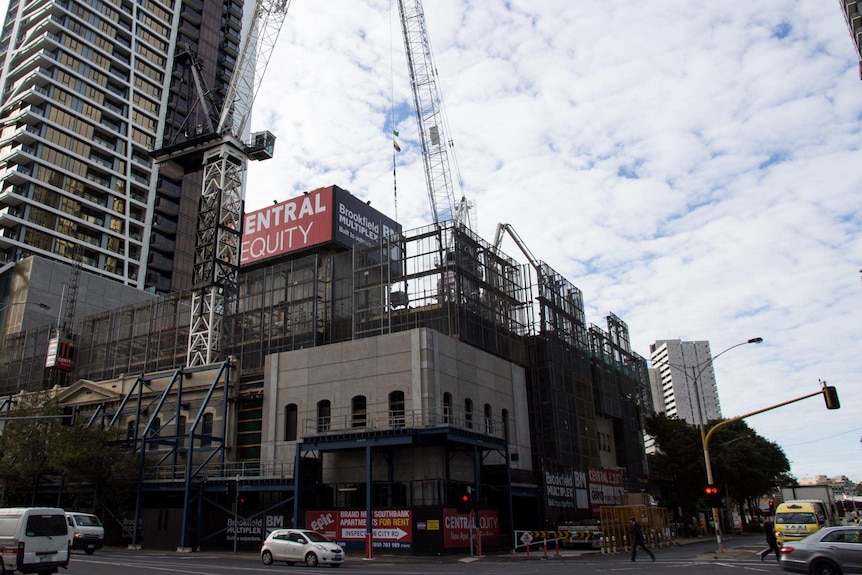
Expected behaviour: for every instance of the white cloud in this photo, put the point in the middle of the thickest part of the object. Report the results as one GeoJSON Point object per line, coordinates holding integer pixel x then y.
{"type": "Point", "coordinates": [693, 168]}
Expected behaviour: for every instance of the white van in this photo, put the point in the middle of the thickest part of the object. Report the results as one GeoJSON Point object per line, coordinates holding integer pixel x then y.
{"type": "Point", "coordinates": [85, 531]}
{"type": "Point", "coordinates": [33, 540]}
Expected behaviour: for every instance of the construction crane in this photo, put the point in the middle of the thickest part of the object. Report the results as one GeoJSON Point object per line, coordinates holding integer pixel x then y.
{"type": "Point", "coordinates": [433, 126]}
{"type": "Point", "coordinates": [217, 146]}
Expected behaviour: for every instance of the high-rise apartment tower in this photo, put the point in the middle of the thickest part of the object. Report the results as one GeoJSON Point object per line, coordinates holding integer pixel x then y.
{"type": "Point", "coordinates": [88, 88]}
{"type": "Point", "coordinates": [687, 380]}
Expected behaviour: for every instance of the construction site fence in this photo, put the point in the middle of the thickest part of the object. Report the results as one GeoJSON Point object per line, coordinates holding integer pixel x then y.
{"type": "Point", "coordinates": [613, 536]}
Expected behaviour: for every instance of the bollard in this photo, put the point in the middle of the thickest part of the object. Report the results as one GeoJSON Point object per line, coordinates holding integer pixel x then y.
{"type": "Point", "coordinates": [545, 547]}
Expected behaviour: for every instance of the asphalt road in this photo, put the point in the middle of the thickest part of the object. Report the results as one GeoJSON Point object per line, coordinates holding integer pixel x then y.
{"type": "Point", "coordinates": [693, 559]}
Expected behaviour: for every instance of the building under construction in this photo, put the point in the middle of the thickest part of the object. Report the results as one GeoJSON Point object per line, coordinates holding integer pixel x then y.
{"type": "Point", "coordinates": [391, 378]}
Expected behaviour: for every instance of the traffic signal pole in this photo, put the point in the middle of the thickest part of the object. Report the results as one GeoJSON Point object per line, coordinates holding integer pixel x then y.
{"type": "Point", "coordinates": [828, 392]}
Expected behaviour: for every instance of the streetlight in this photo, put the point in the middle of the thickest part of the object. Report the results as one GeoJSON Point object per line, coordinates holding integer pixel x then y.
{"type": "Point", "coordinates": [14, 303]}
{"type": "Point", "coordinates": [704, 438]}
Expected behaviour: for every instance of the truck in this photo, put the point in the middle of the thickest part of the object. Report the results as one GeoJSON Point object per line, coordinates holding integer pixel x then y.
{"type": "Point", "coordinates": [814, 492]}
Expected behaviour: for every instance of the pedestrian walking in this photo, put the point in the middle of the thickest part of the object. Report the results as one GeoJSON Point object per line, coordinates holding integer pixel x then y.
{"type": "Point", "coordinates": [638, 540]}
{"type": "Point", "coordinates": [769, 531]}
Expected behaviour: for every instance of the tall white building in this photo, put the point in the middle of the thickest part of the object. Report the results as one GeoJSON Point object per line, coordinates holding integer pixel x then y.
{"type": "Point", "coordinates": [684, 381]}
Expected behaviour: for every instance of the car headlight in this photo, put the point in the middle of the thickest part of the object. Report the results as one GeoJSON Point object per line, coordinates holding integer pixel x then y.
{"type": "Point", "coordinates": [320, 547]}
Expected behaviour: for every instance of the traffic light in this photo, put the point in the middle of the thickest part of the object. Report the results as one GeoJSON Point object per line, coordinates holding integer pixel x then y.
{"type": "Point", "coordinates": [830, 394]}
{"type": "Point", "coordinates": [464, 502]}
{"type": "Point", "coordinates": [712, 496]}
{"type": "Point", "coordinates": [771, 506]}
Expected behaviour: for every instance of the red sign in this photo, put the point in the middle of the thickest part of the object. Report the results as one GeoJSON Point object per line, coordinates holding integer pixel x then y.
{"type": "Point", "coordinates": [456, 527]}
{"type": "Point", "coordinates": [326, 215]}
{"type": "Point", "coordinates": [394, 525]}
{"type": "Point", "coordinates": [288, 226]}
{"type": "Point", "coordinates": [607, 487]}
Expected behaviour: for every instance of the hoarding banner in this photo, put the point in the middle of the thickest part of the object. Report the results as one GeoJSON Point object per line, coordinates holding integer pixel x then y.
{"type": "Point", "coordinates": [392, 528]}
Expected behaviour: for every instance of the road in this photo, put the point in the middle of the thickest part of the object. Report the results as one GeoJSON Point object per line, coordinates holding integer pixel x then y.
{"type": "Point", "coordinates": [694, 559]}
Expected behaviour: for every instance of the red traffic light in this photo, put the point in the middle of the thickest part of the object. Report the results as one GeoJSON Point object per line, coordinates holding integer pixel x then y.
{"type": "Point", "coordinates": [465, 498]}
{"type": "Point", "coordinates": [711, 490]}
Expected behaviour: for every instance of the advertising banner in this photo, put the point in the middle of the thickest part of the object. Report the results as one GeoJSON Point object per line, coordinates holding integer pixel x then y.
{"type": "Point", "coordinates": [391, 528]}
{"type": "Point", "coordinates": [325, 215]}
{"type": "Point", "coordinates": [606, 487]}
{"type": "Point", "coordinates": [456, 527]}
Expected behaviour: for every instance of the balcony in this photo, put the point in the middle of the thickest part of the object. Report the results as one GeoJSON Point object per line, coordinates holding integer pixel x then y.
{"type": "Point", "coordinates": [164, 225]}
{"type": "Point", "coordinates": [165, 206]}
{"type": "Point", "coordinates": [12, 195]}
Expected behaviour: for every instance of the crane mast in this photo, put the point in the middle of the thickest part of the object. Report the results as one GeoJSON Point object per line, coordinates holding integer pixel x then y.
{"type": "Point", "coordinates": [224, 157]}
{"type": "Point", "coordinates": [433, 131]}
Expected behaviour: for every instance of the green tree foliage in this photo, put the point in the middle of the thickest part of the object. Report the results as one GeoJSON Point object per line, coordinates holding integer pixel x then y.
{"type": "Point", "coordinates": [37, 446]}
{"type": "Point", "coordinates": [745, 465]}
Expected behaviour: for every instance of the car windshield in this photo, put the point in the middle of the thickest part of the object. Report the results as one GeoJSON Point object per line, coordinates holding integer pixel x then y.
{"type": "Point", "coordinates": [794, 518]}
{"type": "Point", "coordinates": [315, 537]}
{"type": "Point", "coordinates": [87, 521]}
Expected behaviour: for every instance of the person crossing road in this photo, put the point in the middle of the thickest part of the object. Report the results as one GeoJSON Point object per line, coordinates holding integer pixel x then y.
{"type": "Point", "coordinates": [638, 540]}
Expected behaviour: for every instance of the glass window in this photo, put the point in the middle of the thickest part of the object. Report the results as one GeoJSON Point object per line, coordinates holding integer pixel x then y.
{"type": "Point", "coordinates": [324, 415]}
{"type": "Point", "coordinates": [447, 407]}
{"type": "Point", "coordinates": [290, 424]}
{"type": "Point", "coordinates": [396, 409]}
{"type": "Point", "coordinates": [489, 419]}
{"type": "Point", "coordinates": [468, 413]}
{"type": "Point", "coordinates": [206, 429]}
{"type": "Point", "coordinates": [358, 412]}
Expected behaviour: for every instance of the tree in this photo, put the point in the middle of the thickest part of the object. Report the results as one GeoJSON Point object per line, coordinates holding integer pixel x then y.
{"type": "Point", "coordinates": [38, 445]}
{"type": "Point", "coordinates": [745, 465]}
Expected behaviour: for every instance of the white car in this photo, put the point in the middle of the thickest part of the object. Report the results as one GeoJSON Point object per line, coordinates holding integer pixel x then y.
{"type": "Point", "coordinates": [85, 531]}
{"type": "Point", "coordinates": [301, 546]}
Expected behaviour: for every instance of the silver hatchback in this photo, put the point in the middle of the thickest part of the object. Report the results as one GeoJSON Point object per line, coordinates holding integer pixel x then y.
{"type": "Point", "coordinates": [829, 551]}
{"type": "Point", "coordinates": [301, 546]}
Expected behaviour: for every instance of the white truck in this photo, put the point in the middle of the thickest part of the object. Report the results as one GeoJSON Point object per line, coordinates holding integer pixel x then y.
{"type": "Point", "coordinates": [814, 492]}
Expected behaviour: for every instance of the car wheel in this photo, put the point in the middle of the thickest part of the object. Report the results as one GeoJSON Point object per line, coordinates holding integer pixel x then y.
{"type": "Point", "coordinates": [266, 557]}
{"type": "Point", "coordinates": [311, 560]}
{"type": "Point", "coordinates": [825, 568]}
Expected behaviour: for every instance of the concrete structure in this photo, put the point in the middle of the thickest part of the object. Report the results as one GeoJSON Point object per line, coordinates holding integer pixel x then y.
{"type": "Point", "coordinates": [686, 380]}
{"type": "Point", "coordinates": [85, 98]}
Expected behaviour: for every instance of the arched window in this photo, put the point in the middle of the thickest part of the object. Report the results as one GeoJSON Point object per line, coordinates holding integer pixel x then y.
{"type": "Point", "coordinates": [358, 411]}
{"type": "Point", "coordinates": [504, 415]}
{"type": "Point", "coordinates": [489, 419]}
{"type": "Point", "coordinates": [207, 429]}
{"type": "Point", "coordinates": [130, 430]}
{"type": "Point", "coordinates": [468, 413]}
{"type": "Point", "coordinates": [290, 424]}
{"type": "Point", "coordinates": [447, 408]}
{"type": "Point", "coordinates": [396, 409]}
{"type": "Point", "coordinates": [324, 415]}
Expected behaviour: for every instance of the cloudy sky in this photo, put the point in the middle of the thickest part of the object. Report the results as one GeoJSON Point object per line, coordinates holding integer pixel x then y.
{"type": "Point", "coordinates": [692, 167]}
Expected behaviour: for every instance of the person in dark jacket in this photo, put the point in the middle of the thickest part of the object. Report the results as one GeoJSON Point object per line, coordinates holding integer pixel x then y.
{"type": "Point", "coordinates": [769, 531]}
{"type": "Point", "coordinates": [638, 540]}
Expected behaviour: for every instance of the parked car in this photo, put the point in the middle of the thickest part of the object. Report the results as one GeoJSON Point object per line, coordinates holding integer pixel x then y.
{"type": "Point", "coordinates": [85, 531]}
{"type": "Point", "coordinates": [829, 551]}
{"type": "Point", "coordinates": [33, 540]}
{"type": "Point", "coordinates": [301, 546]}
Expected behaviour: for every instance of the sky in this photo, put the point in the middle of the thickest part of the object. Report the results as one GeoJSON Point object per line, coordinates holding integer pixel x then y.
{"type": "Point", "coordinates": [693, 168]}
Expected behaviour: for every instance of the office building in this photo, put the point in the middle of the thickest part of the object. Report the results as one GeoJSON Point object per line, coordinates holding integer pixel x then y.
{"type": "Point", "coordinates": [686, 380]}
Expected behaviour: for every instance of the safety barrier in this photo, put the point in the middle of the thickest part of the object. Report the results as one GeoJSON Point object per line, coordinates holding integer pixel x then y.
{"type": "Point", "coordinates": [614, 536]}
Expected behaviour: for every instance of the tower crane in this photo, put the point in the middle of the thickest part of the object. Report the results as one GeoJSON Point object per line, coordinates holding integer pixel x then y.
{"type": "Point", "coordinates": [433, 126]}
{"type": "Point", "coordinates": [217, 147]}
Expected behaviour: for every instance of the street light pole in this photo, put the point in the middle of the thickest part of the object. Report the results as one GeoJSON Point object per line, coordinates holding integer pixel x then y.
{"type": "Point", "coordinates": [704, 438]}
{"type": "Point", "coordinates": [697, 373]}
